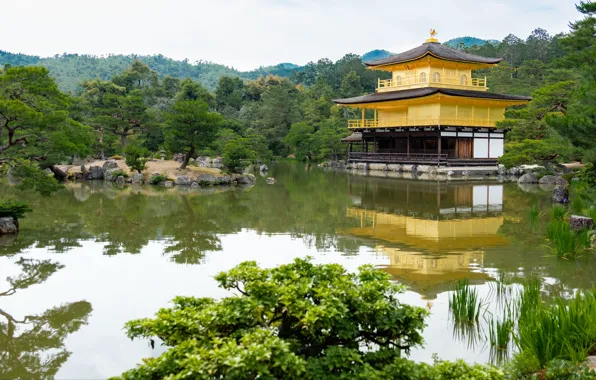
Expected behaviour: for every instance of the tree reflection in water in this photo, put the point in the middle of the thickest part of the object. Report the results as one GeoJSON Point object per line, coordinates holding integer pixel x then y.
{"type": "Point", "coordinates": [32, 346]}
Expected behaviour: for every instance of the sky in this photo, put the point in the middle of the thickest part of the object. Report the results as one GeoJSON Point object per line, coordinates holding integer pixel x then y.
{"type": "Point", "coordinates": [246, 34]}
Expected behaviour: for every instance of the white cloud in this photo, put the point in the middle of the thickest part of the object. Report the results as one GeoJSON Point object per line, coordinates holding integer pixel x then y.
{"type": "Point", "coordinates": [249, 33]}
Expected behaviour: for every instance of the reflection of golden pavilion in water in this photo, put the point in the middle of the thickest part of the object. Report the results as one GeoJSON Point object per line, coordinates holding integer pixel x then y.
{"type": "Point", "coordinates": [436, 248]}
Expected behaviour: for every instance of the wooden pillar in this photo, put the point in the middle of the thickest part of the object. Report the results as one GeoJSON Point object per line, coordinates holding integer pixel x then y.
{"type": "Point", "coordinates": [408, 145]}
{"type": "Point", "coordinates": [375, 140]}
{"type": "Point", "coordinates": [439, 148]}
{"type": "Point", "coordinates": [362, 117]}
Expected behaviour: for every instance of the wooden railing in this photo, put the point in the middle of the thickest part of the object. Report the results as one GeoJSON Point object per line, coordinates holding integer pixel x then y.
{"type": "Point", "coordinates": [411, 122]}
{"type": "Point", "coordinates": [430, 158]}
{"type": "Point", "coordinates": [414, 82]}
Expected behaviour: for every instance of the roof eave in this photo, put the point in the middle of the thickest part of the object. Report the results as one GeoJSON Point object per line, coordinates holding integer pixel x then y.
{"type": "Point", "coordinates": [373, 65]}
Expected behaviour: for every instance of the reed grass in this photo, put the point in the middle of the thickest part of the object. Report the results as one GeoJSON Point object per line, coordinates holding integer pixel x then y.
{"type": "Point", "coordinates": [566, 244]}
{"type": "Point", "coordinates": [564, 329]}
{"type": "Point", "coordinates": [534, 214]}
{"type": "Point", "coordinates": [558, 213]}
{"type": "Point", "coordinates": [465, 304]}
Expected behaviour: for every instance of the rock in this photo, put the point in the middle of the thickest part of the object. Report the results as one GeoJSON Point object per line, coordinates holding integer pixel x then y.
{"type": "Point", "coordinates": [8, 225]}
{"type": "Point", "coordinates": [224, 180]}
{"type": "Point", "coordinates": [168, 183]}
{"type": "Point", "coordinates": [112, 174]}
{"type": "Point", "coordinates": [217, 163]}
{"type": "Point", "coordinates": [137, 178]}
{"type": "Point", "coordinates": [395, 168]}
{"type": "Point", "coordinates": [207, 180]}
{"type": "Point", "coordinates": [263, 168]}
{"type": "Point", "coordinates": [553, 180]}
{"type": "Point", "coordinates": [48, 172]}
{"type": "Point", "coordinates": [194, 185]}
{"type": "Point", "coordinates": [362, 166]}
{"type": "Point", "coordinates": [349, 166]}
{"type": "Point", "coordinates": [516, 171]}
{"type": "Point", "coordinates": [94, 173]}
{"type": "Point", "coordinates": [465, 173]}
{"type": "Point", "coordinates": [560, 194]}
{"type": "Point", "coordinates": [408, 168]}
{"type": "Point", "coordinates": [183, 180]}
{"type": "Point", "coordinates": [501, 170]}
{"type": "Point", "coordinates": [450, 173]}
{"type": "Point", "coordinates": [433, 171]}
{"type": "Point", "coordinates": [245, 179]}
{"type": "Point", "coordinates": [110, 164]}
{"type": "Point", "coordinates": [378, 167]}
{"type": "Point", "coordinates": [83, 169]}
{"type": "Point", "coordinates": [528, 178]}
{"type": "Point", "coordinates": [120, 180]}
{"type": "Point", "coordinates": [579, 223]}
{"type": "Point", "coordinates": [591, 363]}
{"type": "Point", "coordinates": [270, 180]}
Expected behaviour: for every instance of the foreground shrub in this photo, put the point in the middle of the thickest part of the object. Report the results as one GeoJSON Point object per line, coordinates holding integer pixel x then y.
{"type": "Point", "coordinates": [297, 321]}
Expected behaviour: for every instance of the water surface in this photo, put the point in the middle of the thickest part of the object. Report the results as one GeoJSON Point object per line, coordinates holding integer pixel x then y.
{"type": "Point", "coordinates": [94, 255]}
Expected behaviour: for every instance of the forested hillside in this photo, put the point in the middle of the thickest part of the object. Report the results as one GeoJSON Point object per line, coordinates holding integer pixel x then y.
{"type": "Point", "coordinates": [70, 70]}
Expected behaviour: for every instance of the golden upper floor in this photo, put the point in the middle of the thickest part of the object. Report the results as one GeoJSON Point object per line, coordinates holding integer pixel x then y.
{"type": "Point", "coordinates": [432, 65]}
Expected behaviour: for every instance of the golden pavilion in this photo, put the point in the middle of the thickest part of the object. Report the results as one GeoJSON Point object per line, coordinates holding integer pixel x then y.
{"type": "Point", "coordinates": [432, 110]}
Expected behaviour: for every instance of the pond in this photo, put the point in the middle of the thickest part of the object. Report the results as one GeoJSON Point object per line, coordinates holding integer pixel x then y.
{"type": "Point", "coordinates": [94, 256]}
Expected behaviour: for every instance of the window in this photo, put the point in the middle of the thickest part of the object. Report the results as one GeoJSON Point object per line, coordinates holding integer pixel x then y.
{"type": "Point", "coordinates": [398, 80]}
{"type": "Point", "coordinates": [463, 80]}
{"type": "Point", "coordinates": [436, 78]}
{"type": "Point", "coordinates": [423, 78]}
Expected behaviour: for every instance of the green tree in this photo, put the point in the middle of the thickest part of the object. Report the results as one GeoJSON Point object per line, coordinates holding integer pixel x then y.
{"type": "Point", "coordinates": [300, 139]}
{"type": "Point", "coordinates": [191, 127]}
{"type": "Point", "coordinates": [278, 111]}
{"type": "Point", "coordinates": [350, 85]}
{"type": "Point", "coordinates": [191, 90]}
{"type": "Point", "coordinates": [237, 153]}
{"type": "Point", "coordinates": [98, 98]}
{"type": "Point", "coordinates": [137, 157]}
{"type": "Point", "coordinates": [579, 123]}
{"type": "Point", "coordinates": [36, 131]}
{"type": "Point", "coordinates": [299, 321]}
{"type": "Point", "coordinates": [228, 94]}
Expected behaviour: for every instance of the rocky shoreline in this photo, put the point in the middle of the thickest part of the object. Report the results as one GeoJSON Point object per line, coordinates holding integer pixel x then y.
{"type": "Point", "coordinates": [115, 171]}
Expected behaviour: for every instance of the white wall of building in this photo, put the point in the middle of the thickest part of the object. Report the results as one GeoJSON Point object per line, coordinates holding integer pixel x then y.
{"type": "Point", "coordinates": [480, 148]}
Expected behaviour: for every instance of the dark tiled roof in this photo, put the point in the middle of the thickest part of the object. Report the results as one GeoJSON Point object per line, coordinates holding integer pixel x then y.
{"type": "Point", "coordinates": [426, 91]}
{"type": "Point", "coordinates": [435, 49]}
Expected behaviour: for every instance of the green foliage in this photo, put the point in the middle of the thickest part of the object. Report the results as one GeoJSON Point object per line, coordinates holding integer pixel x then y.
{"type": "Point", "coordinates": [33, 178]}
{"type": "Point", "coordinates": [14, 209]}
{"type": "Point", "coordinates": [588, 174]}
{"type": "Point", "coordinates": [300, 139]}
{"type": "Point", "coordinates": [191, 127]}
{"type": "Point", "coordinates": [137, 157]}
{"type": "Point", "coordinates": [532, 151]}
{"type": "Point", "coordinates": [157, 179]}
{"type": "Point", "coordinates": [237, 154]}
{"type": "Point", "coordinates": [296, 321]}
